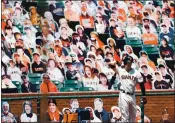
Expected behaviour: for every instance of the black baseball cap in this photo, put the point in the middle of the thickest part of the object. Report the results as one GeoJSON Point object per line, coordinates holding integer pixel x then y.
{"type": "Point", "coordinates": [163, 25]}
{"type": "Point", "coordinates": [107, 60]}
{"type": "Point", "coordinates": [144, 66]}
{"type": "Point", "coordinates": [145, 19]}
{"type": "Point", "coordinates": [161, 65]}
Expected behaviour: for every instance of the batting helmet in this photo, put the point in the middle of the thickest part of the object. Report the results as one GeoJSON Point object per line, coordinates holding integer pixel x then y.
{"type": "Point", "coordinates": [127, 59]}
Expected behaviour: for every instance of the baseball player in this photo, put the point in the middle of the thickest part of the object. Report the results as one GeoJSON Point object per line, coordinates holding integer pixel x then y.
{"type": "Point", "coordinates": [128, 78]}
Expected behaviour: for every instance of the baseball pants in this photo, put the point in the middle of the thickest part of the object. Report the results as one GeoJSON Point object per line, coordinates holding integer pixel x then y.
{"type": "Point", "coordinates": [127, 105]}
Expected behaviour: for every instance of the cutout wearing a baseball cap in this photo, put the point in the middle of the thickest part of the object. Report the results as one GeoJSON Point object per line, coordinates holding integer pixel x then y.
{"type": "Point", "coordinates": [159, 82]}
{"type": "Point", "coordinates": [161, 61]}
{"type": "Point", "coordinates": [163, 25]}
{"type": "Point", "coordinates": [27, 27]}
{"type": "Point", "coordinates": [16, 55]}
{"type": "Point", "coordinates": [75, 34]}
{"type": "Point", "coordinates": [161, 65]}
{"type": "Point", "coordinates": [35, 53]}
{"type": "Point", "coordinates": [109, 40]}
{"type": "Point", "coordinates": [32, 7]}
{"type": "Point", "coordinates": [52, 101]}
{"type": "Point", "coordinates": [112, 19]}
{"type": "Point", "coordinates": [53, 114]}
{"type": "Point", "coordinates": [143, 53]}
{"type": "Point", "coordinates": [78, 27]}
{"type": "Point", "coordinates": [105, 47]}
{"type": "Point", "coordinates": [88, 61]}
{"type": "Point", "coordinates": [68, 62]}
{"type": "Point", "coordinates": [146, 19]}
{"type": "Point", "coordinates": [45, 76]}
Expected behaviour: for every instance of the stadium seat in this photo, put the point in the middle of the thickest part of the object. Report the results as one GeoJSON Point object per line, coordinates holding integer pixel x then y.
{"type": "Point", "coordinates": [18, 85]}
{"type": "Point", "coordinates": [36, 84]}
{"type": "Point", "coordinates": [152, 51]}
{"type": "Point", "coordinates": [20, 27]}
{"type": "Point", "coordinates": [86, 89]}
{"type": "Point", "coordinates": [77, 86]}
{"type": "Point", "coordinates": [68, 89]}
{"type": "Point", "coordinates": [135, 43]}
{"type": "Point", "coordinates": [73, 83]}
{"type": "Point", "coordinates": [58, 84]}
{"type": "Point", "coordinates": [34, 75]}
{"type": "Point", "coordinates": [35, 79]}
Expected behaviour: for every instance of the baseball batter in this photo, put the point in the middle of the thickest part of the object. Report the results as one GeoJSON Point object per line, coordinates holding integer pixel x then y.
{"type": "Point", "coordinates": [128, 79]}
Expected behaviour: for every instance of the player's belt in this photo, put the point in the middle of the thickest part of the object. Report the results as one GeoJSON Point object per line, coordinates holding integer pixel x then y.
{"type": "Point", "coordinates": [126, 92]}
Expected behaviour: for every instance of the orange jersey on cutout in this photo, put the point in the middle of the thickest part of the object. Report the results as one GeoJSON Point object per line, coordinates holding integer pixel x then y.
{"type": "Point", "coordinates": [50, 87]}
{"type": "Point", "coordinates": [150, 38]}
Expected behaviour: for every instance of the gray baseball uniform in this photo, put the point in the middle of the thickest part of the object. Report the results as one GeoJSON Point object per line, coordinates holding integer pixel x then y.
{"type": "Point", "coordinates": [127, 102]}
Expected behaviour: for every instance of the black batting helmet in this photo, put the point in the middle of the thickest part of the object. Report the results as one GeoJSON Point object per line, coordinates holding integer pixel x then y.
{"type": "Point", "coordinates": [127, 59]}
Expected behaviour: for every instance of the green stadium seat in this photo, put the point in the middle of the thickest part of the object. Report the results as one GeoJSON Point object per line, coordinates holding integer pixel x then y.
{"type": "Point", "coordinates": [58, 84]}
{"type": "Point", "coordinates": [150, 49]}
{"type": "Point", "coordinates": [36, 84]}
{"type": "Point", "coordinates": [20, 27]}
{"type": "Point", "coordinates": [35, 79]}
{"type": "Point", "coordinates": [86, 89]}
{"type": "Point", "coordinates": [135, 43]}
{"type": "Point", "coordinates": [34, 75]}
{"type": "Point", "coordinates": [73, 83]}
{"type": "Point", "coordinates": [77, 86]}
{"type": "Point", "coordinates": [68, 89]}
{"type": "Point", "coordinates": [18, 85]}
